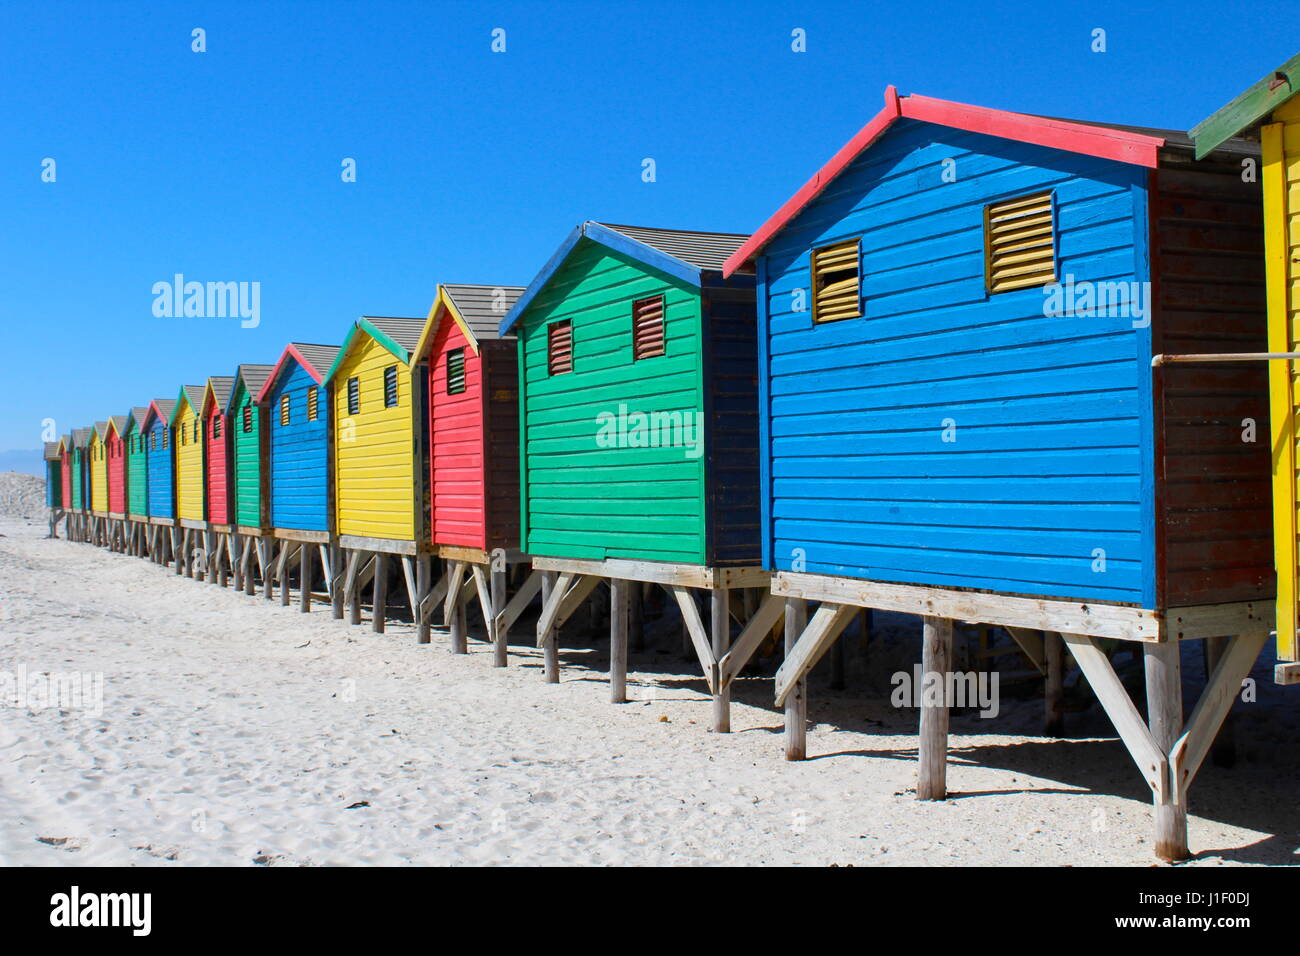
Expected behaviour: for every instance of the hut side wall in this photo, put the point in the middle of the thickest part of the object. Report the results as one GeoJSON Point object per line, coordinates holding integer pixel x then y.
{"type": "Point", "coordinates": [456, 458]}
{"type": "Point", "coordinates": [162, 490]}
{"type": "Point", "coordinates": [299, 454]}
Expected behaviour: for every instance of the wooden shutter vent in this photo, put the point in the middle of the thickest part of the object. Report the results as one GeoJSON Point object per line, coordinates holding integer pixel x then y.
{"type": "Point", "coordinates": [284, 409]}
{"type": "Point", "coordinates": [312, 404]}
{"type": "Point", "coordinates": [1019, 248]}
{"type": "Point", "coordinates": [559, 347]}
{"type": "Point", "coordinates": [390, 386]}
{"type": "Point", "coordinates": [354, 396]}
{"type": "Point", "coordinates": [455, 371]}
{"type": "Point", "coordinates": [248, 419]}
{"type": "Point", "coordinates": [648, 327]}
{"type": "Point", "coordinates": [835, 282]}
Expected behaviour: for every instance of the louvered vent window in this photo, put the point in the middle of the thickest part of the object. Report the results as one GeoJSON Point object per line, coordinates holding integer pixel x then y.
{"type": "Point", "coordinates": [248, 419]}
{"type": "Point", "coordinates": [166, 440]}
{"type": "Point", "coordinates": [1019, 247]}
{"type": "Point", "coordinates": [354, 396]}
{"type": "Point", "coordinates": [153, 441]}
{"type": "Point", "coordinates": [835, 284]}
{"type": "Point", "coordinates": [559, 347]}
{"type": "Point", "coordinates": [216, 426]}
{"type": "Point", "coordinates": [455, 371]}
{"type": "Point", "coordinates": [196, 431]}
{"type": "Point", "coordinates": [390, 386]}
{"type": "Point", "coordinates": [284, 409]}
{"type": "Point", "coordinates": [648, 327]}
{"type": "Point", "coordinates": [313, 404]}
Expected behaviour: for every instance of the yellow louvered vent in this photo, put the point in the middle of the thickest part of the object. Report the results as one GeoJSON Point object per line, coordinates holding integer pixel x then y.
{"type": "Point", "coordinates": [1019, 247]}
{"type": "Point", "coordinates": [835, 282]}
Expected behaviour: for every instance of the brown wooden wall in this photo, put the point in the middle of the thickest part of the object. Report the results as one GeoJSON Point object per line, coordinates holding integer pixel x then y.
{"type": "Point", "coordinates": [1213, 497]}
{"type": "Point", "coordinates": [501, 443]}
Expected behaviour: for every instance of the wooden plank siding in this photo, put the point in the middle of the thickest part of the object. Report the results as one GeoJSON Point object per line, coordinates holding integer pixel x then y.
{"type": "Point", "coordinates": [1214, 518]}
{"type": "Point", "coordinates": [115, 461]}
{"type": "Point", "coordinates": [374, 467]}
{"type": "Point", "coordinates": [216, 451]}
{"type": "Point", "coordinates": [98, 470]}
{"type": "Point", "coordinates": [581, 500]}
{"type": "Point", "coordinates": [137, 465]}
{"type": "Point", "coordinates": [162, 464]}
{"type": "Point", "coordinates": [299, 453]}
{"type": "Point", "coordinates": [500, 371]}
{"type": "Point", "coordinates": [188, 451]}
{"type": "Point", "coordinates": [457, 461]}
{"type": "Point", "coordinates": [65, 469]}
{"type": "Point", "coordinates": [248, 456]}
{"type": "Point", "coordinates": [1051, 458]}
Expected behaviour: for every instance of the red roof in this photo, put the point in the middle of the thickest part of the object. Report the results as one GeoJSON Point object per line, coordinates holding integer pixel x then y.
{"type": "Point", "coordinates": [1103, 141]}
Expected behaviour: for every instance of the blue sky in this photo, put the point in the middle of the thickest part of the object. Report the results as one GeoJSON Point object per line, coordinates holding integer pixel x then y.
{"type": "Point", "coordinates": [471, 165]}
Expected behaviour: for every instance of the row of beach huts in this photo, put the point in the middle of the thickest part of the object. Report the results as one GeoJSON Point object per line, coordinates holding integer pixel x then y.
{"type": "Point", "coordinates": [982, 367]}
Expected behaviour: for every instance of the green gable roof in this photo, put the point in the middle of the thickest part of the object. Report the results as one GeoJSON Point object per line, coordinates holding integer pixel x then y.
{"type": "Point", "coordinates": [1248, 108]}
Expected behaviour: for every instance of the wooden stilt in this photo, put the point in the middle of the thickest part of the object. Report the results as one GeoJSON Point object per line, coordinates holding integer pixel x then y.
{"type": "Point", "coordinates": [420, 612]}
{"type": "Point", "coordinates": [264, 546]}
{"type": "Point", "coordinates": [618, 607]}
{"type": "Point", "coordinates": [238, 565]}
{"type": "Point", "coordinates": [379, 598]}
{"type": "Point", "coordinates": [936, 663]}
{"type": "Point", "coordinates": [720, 631]}
{"type": "Point", "coordinates": [453, 608]}
{"type": "Point", "coordinates": [550, 652]}
{"type": "Point", "coordinates": [635, 624]}
{"type": "Point", "coordinates": [304, 578]}
{"type": "Point", "coordinates": [282, 572]}
{"type": "Point", "coordinates": [796, 703]}
{"type": "Point", "coordinates": [1165, 714]}
{"type": "Point", "coordinates": [498, 629]}
{"type": "Point", "coordinates": [1054, 684]}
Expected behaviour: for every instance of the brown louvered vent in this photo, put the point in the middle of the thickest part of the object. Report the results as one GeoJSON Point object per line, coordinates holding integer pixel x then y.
{"type": "Point", "coordinates": [648, 327]}
{"type": "Point", "coordinates": [835, 282]}
{"type": "Point", "coordinates": [1019, 247]}
{"type": "Point", "coordinates": [559, 347]}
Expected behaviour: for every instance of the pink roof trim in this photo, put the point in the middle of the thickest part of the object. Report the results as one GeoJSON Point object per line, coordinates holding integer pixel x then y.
{"type": "Point", "coordinates": [275, 372]}
{"type": "Point", "coordinates": [1135, 148]}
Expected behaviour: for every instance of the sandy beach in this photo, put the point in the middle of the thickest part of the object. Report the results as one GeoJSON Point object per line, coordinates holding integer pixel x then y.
{"type": "Point", "coordinates": [237, 732]}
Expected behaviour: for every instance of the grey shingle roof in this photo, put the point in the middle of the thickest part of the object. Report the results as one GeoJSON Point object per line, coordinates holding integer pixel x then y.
{"type": "Point", "coordinates": [51, 451]}
{"type": "Point", "coordinates": [166, 406]}
{"type": "Point", "coordinates": [102, 429]}
{"type": "Point", "coordinates": [404, 331]}
{"type": "Point", "coordinates": [222, 386]}
{"type": "Point", "coordinates": [194, 393]}
{"type": "Point", "coordinates": [81, 437]}
{"type": "Point", "coordinates": [483, 306]}
{"type": "Point", "coordinates": [254, 377]}
{"type": "Point", "coordinates": [703, 250]}
{"type": "Point", "coordinates": [138, 415]}
{"type": "Point", "coordinates": [119, 422]}
{"type": "Point", "coordinates": [321, 357]}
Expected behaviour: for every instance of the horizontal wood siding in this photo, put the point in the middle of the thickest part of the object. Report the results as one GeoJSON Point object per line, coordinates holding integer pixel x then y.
{"type": "Point", "coordinates": [731, 377]}
{"type": "Point", "coordinates": [374, 471]}
{"type": "Point", "coordinates": [115, 452]}
{"type": "Point", "coordinates": [501, 438]}
{"type": "Point", "coordinates": [79, 479]}
{"type": "Point", "coordinates": [137, 474]}
{"type": "Point", "coordinates": [189, 465]}
{"type": "Point", "coordinates": [456, 466]}
{"type": "Point", "coordinates": [1046, 470]}
{"type": "Point", "coordinates": [65, 488]}
{"type": "Point", "coordinates": [1215, 520]}
{"type": "Point", "coordinates": [162, 503]}
{"type": "Point", "coordinates": [98, 475]}
{"type": "Point", "coordinates": [218, 467]}
{"type": "Point", "coordinates": [53, 482]}
{"type": "Point", "coordinates": [583, 500]}
{"type": "Point", "coordinates": [299, 455]}
{"type": "Point", "coordinates": [248, 460]}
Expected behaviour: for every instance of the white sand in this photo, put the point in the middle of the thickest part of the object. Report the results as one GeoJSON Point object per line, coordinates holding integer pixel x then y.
{"type": "Point", "coordinates": [227, 737]}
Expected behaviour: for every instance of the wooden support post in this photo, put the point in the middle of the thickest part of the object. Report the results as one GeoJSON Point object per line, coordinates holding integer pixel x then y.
{"type": "Point", "coordinates": [498, 630]}
{"type": "Point", "coordinates": [1165, 715]}
{"type": "Point", "coordinates": [264, 548]}
{"type": "Point", "coordinates": [340, 567]}
{"type": "Point", "coordinates": [304, 578]}
{"type": "Point", "coordinates": [282, 571]}
{"type": "Point", "coordinates": [1223, 753]}
{"type": "Point", "coordinates": [379, 599]}
{"type": "Point", "coordinates": [421, 612]}
{"type": "Point", "coordinates": [354, 586]}
{"type": "Point", "coordinates": [1054, 685]}
{"type": "Point", "coordinates": [936, 663]}
{"type": "Point", "coordinates": [618, 606]}
{"type": "Point", "coordinates": [237, 566]}
{"type": "Point", "coordinates": [550, 652]}
{"type": "Point", "coordinates": [720, 632]}
{"type": "Point", "coordinates": [635, 623]}
{"type": "Point", "coordinates": [796, 703]}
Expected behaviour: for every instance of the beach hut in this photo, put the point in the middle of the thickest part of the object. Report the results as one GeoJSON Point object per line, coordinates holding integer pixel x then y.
{"type": "Point", "coordinates": [638, 413]}
{"type": "Point", "coordinates": [218, 546]}
{"type": "Point", "coordinates": [79, 465]}
{"type": "Point", "coordinates": [471, 374]}
{"type": "Point", "coordinates": [379, 495]}
{"type": "Point", "coordinates": [115, 475]}
{"type": "Point", "coordinates": [137, 482]}
{"type": "Point", "coordinates": [54, 484]}
{"type": "Point", "coordinates": [1269, 111]}
{"type": "Point", "coordinates": [65, 475]}
{"type": "Point", "coordinates": [959, 315]}
{"type": "Point", "coordinates": [248, 487]}
{"type": "Point", "coordinates": [98, 470]}
{"type": "Point", "coordinates": [299, 456]}
{"type": "Point", "coordinates": [191, 515]}
{"type": "Point", "coordinates": [164, 542]}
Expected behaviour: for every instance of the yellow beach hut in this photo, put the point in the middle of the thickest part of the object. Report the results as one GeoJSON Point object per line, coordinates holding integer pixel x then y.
{"type": "Point", "coordinates": [187, 430]}
{"type": "Point", "coordinates": [98, 449]}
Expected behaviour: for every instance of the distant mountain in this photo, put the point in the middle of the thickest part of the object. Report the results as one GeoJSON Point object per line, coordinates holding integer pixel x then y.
{"type": "Point", "coordinates": [29, 461]}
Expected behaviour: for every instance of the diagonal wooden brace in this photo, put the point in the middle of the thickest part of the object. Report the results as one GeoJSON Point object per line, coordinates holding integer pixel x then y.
{"type": "Point", "coordinates": [816, 639]}
{"type": "Point", "coordinates": [760, 625]}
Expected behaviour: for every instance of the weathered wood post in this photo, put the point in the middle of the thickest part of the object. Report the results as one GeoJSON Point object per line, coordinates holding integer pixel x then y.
{"type": "Point", "coordinates": [720, 631]}
{"type": "Point", "coordinates": [550, 650]}
{"type": "Point", "coordinates": [1054, 693]}
{"type": "Point", "coordinates": [936, 662]}
{"type": "Point", "coordinates": [420, 612]}
{"type": "Point", "coordinates": [1164, 675]}
{"type": "Point", "coordinates": [284, 566]}
{"type": "Point", "coordinates": [304, 578]}
{"type": "Point", "coordinates": [338, 570]}
{"type": "Point", "coordinates": [268, 568]}
{"type": "Point", "coordinates": [796, 705]}
{"type": "Point", "coordinates": [618, 606]}
{"type": "Point", "coordinates": [499, 635]}
{"type": "Point", "coordinates": [635, 623]}
{"type": "Point", "coordinates": [380, 594]}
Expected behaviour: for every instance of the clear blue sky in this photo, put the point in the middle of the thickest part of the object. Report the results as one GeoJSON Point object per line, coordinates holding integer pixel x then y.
{"type": "Point", "coordinates": [471, 166]}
